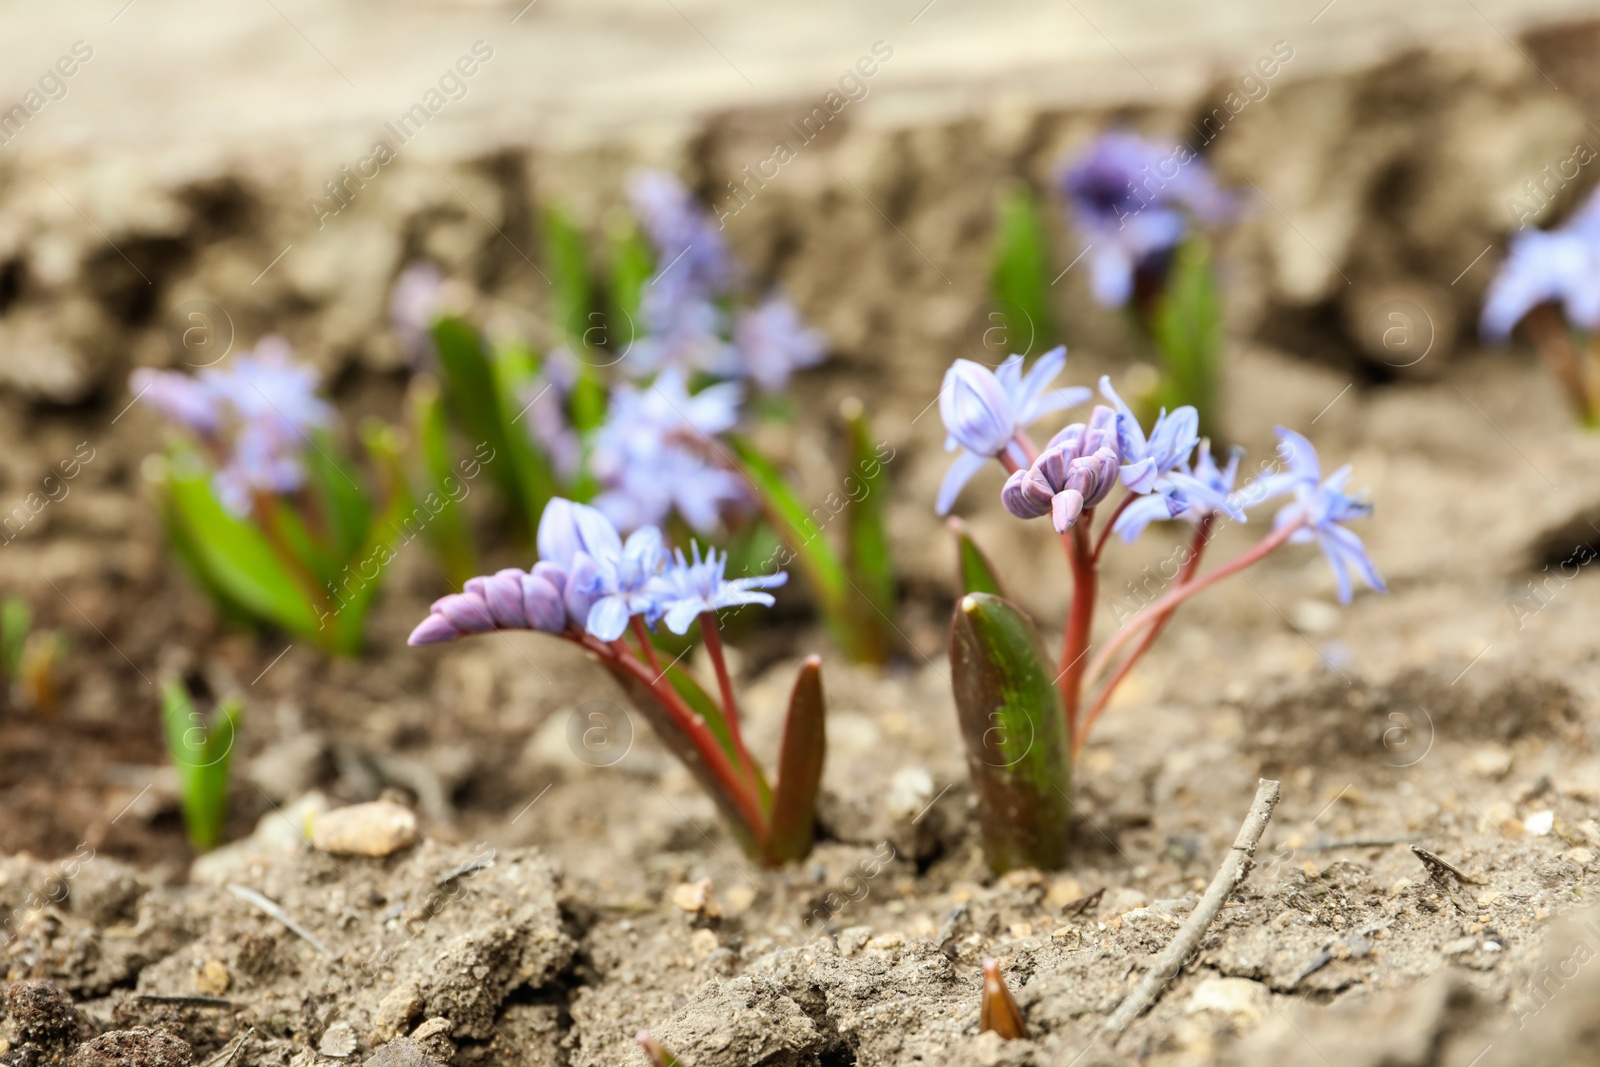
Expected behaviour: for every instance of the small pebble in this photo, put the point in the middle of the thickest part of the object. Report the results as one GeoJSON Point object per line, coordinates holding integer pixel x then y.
{"type": "Point", "coordinates": [696, 899]}
{"type": "Point", "coordinates": [338, 1041]}
{"type": "Point", "coordinates": [211, 978]}
{"type": "Point", "coordinates": [1231, 996]}
{"type": "Point", "coordinates": [1540, 823]}
{"type": "Point", "coordinates": [376, 829]}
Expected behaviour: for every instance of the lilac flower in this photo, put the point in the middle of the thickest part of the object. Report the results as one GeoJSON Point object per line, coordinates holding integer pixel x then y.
{"type": "Point", "coordinates": [544, 399]}
{"type": "Point", "coordinates": [607, 579]}
{"type": "Point", "coordinates": [1548, 266]}
{"type": "Point", "coordinates": [1171, 440]}
{"type": "Point", "coordinates": [685, 590]}
{"type": "Point", "coordinates": [651, 453]}
{"type": "Point", "coordinates": [682, 233]}
{"type": "Point", "coordinates": [1073, 474]}
{"type": "Point", "coordinates": [984, 410]}
{"type": "Point", "coordinates": [1132, 199]}
{"type": "Point", "coordinates": [1321, 505]}
{"type": "Point", "coordinates": [773, 342]}
{"type": "Point", "coordinates": [509, 599]}
{"type": "Point", "coordinates": [413, 306]}
{"type": "Point", "coordinates": [186, 400]}
{"type": "Point", "coordinates": [269, 390]}
{"type": "Point", "coordinates": [1187, 494]}
{"type": "Point", "coordinates": [683, 329]}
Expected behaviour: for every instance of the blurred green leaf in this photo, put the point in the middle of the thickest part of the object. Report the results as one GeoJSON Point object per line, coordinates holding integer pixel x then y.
{"type": "Point", "coordinates": [1015, 731]}
{"type": "Point", "coordinates": [631, 263]}
{"type": "Point", "coordinates": [824, 571]}
{"type": "Point", "coordinates": [234, 555]}
{"type": "Point", "coordinates": [447, 530]}
{"type": "Point", "coordinates": [16, 620]}
{"type": "Point", "coordinates": [978, 575]}
{"type": "Point", "coordinates": [1019, 281]}
{"type": "Point", "coordinates": [202, 750]}
{"type": "Point", "coordinates": [363, 573]}
{"type": "Point", "coordinates": [342, 503]}
{"type": "Point", "coordinates": [515, 368]}
{"type": "Point", "coordinates": [805, 743]}
{"type": "Point", "coordinates": [1187, 326]}
{"type": "Point", "coordinates": [866, 533]}
{"type": "Point", "coordinates": [472, 397]}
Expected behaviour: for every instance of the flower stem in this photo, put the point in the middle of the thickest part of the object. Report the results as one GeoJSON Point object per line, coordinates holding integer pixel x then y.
{"type": "Point", "coordinates": [1559, 355]}
{"type": "Point", "coordinates": [1080, 623]}
{"type": "Point", "coordinates": [1202, 535]}
{"type": "Point", "coordinates": [742, 798]}
{"type": "Point", "coordinates": [1111, 520]}
{"type": "Point", "coordinates": [730, 703]}
{"type": "Point", "coordinates": [643, 637]}
{"type": "Point", "coordinates": [1163, 605]}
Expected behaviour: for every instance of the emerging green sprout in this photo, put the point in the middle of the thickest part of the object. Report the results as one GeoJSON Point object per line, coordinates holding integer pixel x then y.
{"type": "Point", "coordinates": [201, 747]}
{"type": "Point", "coordinates": [30, 660]}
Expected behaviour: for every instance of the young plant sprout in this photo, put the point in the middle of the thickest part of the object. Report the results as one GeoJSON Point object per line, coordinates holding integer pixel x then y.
{"type": "Point", "coordinates": [998, 1010]}
{"type": "Point", "coordinates": [1548, 275]}
{"type": "Point", "coordinates": [1024, 718]}
{"type": "Point", "coordinates": [30, 659]}
{"type": "Point", "coordinates": [1136, 203]}
{"type": "Point", "coordinates": [202, 749]}
{"type": "Point", "coordinates": [595, 589]}
{"type": "Point", "coordinates": [259, 503]}
{"type": "Point", "coordinates": [655, 1053]}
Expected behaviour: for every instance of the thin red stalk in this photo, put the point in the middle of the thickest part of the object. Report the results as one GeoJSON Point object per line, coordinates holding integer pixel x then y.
{"type": "Point", "coordinates": [1555, 347]}
{"type": "Point", "coordinates": [267, 521]}
{"type": "Point", "coordinates": [691, 723]}
{"type": "Point", "coordinates": [1111, 520]}
{"type": "Point", "coordinates": [1080, 623]}
{"type": "Point", "coordinates": [643, 637]}
{"type": "Point", "coordinates": [730, 703]}
{"type": "Point", "coordinates": [1202, 535]}
{"type": "Point", "coordinates": [1178, 595]}
{"type": "Point", "coordinates": [1029, 449]}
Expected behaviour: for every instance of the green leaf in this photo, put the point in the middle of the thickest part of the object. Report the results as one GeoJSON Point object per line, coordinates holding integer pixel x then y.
{"type": "Point", "coordinates": [201, 751]}
{"type": "Point", "coordinates": [1015, 731]}
{"type": "Point", "coordinates": [16, 620]}
{"type": "Point", "coordinates": [364, 573]}
{"type": "Point", "coordinates": [1020, 279]}
{"type": "Point", "coordinates": [978, 575]}
{"type": "Point", "coordinates": [805, 743]}
{"type": "Point", "coordinates": [447, 531]}
{"type": "Point", "coordinates": [336, 486]}
{"type": "Point", "coordinates": [1187, 326]}
{"type": "Point", "coordinates": [866, 532]}
{"type": "Point", "coordinates": [514, 369]}
{"type": "Point", "coordinates": [472, 397]}
{"type": "Point", "coordinates": [795, 525]}
{"type": "Point", "coordinates": [566, 258]}
{"type": "Point", "coordinates": [631, 263]}
{"type": "Point", "coordinates": [234, 555]}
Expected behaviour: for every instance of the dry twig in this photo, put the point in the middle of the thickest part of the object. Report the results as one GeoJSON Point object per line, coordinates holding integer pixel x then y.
{"type": "Point", "coordinates": [271, 908]}
{"type": "Point", "coordinates": [1235, 868]}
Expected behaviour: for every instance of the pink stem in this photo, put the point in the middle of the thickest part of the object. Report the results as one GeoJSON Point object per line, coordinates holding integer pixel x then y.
{"type": "Point", "coordinates": [1178, 595]}
{"type": "Point", "coordinates": [730, 703]}
{"type": "Point", "coordinates": [1202, 535]}
{"type": "Point", "coordinates": [691, 723]}
{"type": "Point", "coordinates": [642, 635]}
{"type": "Point", "coordinates": [1111, 520]}
{"type": "Point", "coordinates": [1080, 623]}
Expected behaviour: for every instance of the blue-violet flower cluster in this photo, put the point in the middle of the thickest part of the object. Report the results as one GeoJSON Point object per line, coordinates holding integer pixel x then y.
{"type": "Point", "coordinates": [255, 415]}
{"type": "Point", "coordinates": [590, 581]}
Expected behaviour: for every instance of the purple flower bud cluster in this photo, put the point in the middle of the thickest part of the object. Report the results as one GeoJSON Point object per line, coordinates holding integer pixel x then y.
{"type": "Point", "coordinates": [589, 580]}
{"type": "Point", "coordinates": [256, 413]}
{"type": "Point", "coordinates": [1075, 472]}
